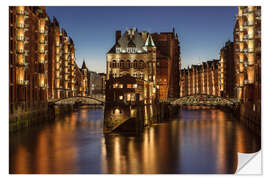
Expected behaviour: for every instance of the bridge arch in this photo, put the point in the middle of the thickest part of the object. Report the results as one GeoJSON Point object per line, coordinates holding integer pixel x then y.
{"type": "Point", "coordinates": [82, 99]}
{"type": "Point", "coordinates": [208, 100]}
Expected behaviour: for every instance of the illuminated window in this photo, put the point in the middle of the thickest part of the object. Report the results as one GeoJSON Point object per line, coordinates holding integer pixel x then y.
{"type": "Point", "coordinates": [120, 85]}
{"type": "Point", "coordinates": [121, 97]}
{"type": "Point", "coordinates": [135, 85]}
{"type": "Point", "coordinates": [115, 85]}
{"type": "Point", "coordinates": [129, 85]}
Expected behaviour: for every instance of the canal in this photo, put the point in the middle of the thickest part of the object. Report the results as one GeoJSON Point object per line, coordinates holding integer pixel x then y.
{"type": "Point", "coordinates": [196, 141]}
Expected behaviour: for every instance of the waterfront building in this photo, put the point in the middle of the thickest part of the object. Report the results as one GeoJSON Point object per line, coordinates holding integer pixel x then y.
{"type": "Point", "coordinates": [247, 40]}
{"type": "Point", "coordinates": [102, 83]}
{"type": "Point", "coordinates": [78, 76]}
{"type": "Point", "coordinates": [85, 79]}
{"type": "Point", "coordinates": [227, 71]}
{"type": "Point", "coordinates": [200, 79]}
{"type": "Point", "coordinates": [168, 64]}
{"type": "Point", "coordinates": [247, 58]}
{"type": "Point", "coordinates": [133, 54]}
{"type": "Point", "coordinates": [128, 89]}
{"type": "Point", "coordinates": [41, 63]}
{"type": "Point", "coordinates": [28, 57]}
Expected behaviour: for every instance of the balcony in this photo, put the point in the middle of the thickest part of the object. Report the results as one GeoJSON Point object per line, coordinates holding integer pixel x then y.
{"type": "Point", "coordinates": [22, 82]}
{"type": "Point", "coordinates": [20, 10]}
{"type": "Point", "coordinates": [22, 64]}
{"type": "Point", "coordinates": [250, 50]}
{"type": "Point", "coordinates": [26, 26]}
{"type": "Point", "coordinates": [43, 86]}
{"type": "Point", "coordinates": [26, 52]}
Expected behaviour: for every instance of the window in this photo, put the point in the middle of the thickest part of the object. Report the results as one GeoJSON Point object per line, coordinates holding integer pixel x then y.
{"type": "Point", "coordinates": [135, 64]}
{"type": "Point", "coordinates": [142, 76]}
{"type": "Point", "coordinates": [122, 64]}
{"type": "Point", "coordinates": [118, 50]}
{"type": "Point", "coordinates": [115, 85]}
{"type": "Point", "coordinates": [114, 64]}
{"type": "Point", "coordinates": [120, 85]}
{"type": "Point", "coordinates": [128, 97]}
{"type": "Point", "coordinates": [135, 85]}
{"type": "Point", "coordinates": [141, 64]}
{"type": "Point", "coordinates": [129, 85]}
{"type": "Point", "coordinates": [128, 64]}
{"type": "Point", "coordinates": [121, 97]}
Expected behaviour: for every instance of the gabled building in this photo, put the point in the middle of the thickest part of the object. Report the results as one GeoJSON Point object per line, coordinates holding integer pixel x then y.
{"type": "Point", "coordinates": [134, 54]}
{"type": "Point", "coordinates": [168, 64]}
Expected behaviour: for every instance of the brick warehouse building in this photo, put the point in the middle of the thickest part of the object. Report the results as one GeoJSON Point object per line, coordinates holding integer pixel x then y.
{"type": "Point", "coordinates": [41, 62]}
{"type": "Point", "coordinates": [247, 57]}
{"type": "Point", "coordinates": [200, 79]}
{"type": "Point", "coordinates": [168, 64]}
{"type": "Point", "coordinates": [227, 71]}
{"type": "Point", "coordinates": [28, 56]}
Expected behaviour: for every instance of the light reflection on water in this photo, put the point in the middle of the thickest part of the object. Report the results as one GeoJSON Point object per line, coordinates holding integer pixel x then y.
{"type": "Point", "coordinates": [198, 141]}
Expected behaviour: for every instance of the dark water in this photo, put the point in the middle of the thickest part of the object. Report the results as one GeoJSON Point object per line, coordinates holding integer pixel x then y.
{"type": "Point", "coordinates": [197, 141]}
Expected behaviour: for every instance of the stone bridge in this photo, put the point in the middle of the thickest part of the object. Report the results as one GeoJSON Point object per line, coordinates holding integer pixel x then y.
{"type": "Point", "coordinates": [86, 100]}
{"type": "Point", "coordinates": [206, 100]}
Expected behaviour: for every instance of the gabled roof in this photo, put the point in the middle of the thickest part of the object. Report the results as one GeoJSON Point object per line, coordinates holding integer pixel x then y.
{"type": "Point", "coordinates": [131, 43]}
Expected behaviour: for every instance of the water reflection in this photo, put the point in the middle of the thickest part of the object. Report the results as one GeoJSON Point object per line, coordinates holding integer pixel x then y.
{"type": "Point", "coordinates": [198, 141]}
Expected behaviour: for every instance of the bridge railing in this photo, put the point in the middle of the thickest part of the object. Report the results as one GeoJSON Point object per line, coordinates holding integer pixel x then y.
{"type": "Point", "coordinates": [204, 100]}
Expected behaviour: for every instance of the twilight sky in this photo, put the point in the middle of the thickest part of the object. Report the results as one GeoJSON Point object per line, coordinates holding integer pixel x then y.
{"type": "Point", "coordinates": [202, 30]}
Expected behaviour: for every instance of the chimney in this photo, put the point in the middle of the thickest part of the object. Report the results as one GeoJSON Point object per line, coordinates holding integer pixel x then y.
{"type": "Point", "coordinates": [144, 35]}
{"type": "Point", "coordinates": [117, 35]}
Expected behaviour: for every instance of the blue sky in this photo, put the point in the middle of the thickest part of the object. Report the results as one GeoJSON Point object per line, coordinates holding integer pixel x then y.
{"type": "Point", "coordinates": [202, 30]}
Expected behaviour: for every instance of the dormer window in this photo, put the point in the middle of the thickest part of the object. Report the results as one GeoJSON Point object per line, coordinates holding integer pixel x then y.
{"type": "Point", "coordinates": [131, 50]}
{"type": "Point", "coordinates": [118, 50]}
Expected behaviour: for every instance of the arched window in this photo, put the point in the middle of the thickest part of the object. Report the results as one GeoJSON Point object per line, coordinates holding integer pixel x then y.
{"type": "Point", "coordinates": [122, 64]}
{"type": "Point", "coordinates": [142, 76]}
{"type": "Point", "coordinates": [114, 64]}
{"type": "Point", "coordinates": [135, 64]}
{"type": "Point", "coordinates": [128, 64]}
{"type": "Point", "coordinates": [141, 64]}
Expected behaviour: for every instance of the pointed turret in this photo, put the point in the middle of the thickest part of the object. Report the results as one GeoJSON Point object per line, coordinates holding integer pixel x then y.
{"type": "Point", "coordinates": [83, 65]}
{"type": "Point", "coordinates": [149, 41]}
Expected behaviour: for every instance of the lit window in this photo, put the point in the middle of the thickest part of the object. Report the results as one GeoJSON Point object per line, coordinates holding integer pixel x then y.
{"type": "Point", "coordinates": [134, 85]}
{"type": "Point", "coordinates": [129, 85]}
{"type": "Point", "coordinates": [120, 85]}
{"type": "Point", "coordinates": [115, 85]}
{"type": "Point", "coordinates": [121, 97]}
{"type": "Point", "coordinates": [128, 97]}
